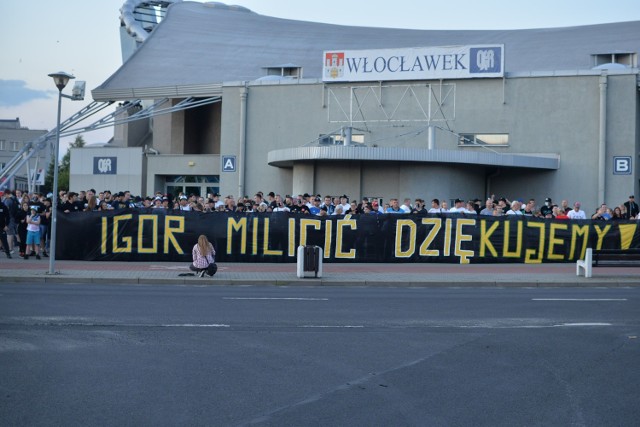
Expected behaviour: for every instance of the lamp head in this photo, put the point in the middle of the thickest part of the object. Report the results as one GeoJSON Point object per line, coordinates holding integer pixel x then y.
{"type": "Point", "coordinates": [61, 79]}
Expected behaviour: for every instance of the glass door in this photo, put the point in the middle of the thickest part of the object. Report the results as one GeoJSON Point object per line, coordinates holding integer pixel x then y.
{"type": "Point", "coordinates": [200, 185]}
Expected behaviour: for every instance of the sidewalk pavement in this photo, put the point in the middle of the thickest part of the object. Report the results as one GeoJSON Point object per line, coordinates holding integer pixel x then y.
{"type": "Point", "coordinates": [342, 274]}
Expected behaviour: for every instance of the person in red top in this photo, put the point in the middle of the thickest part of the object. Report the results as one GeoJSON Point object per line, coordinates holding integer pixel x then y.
{"type": "Point", "coordinates": [559, 213]}
{"type": "Point", "coordinates": [203, 258]}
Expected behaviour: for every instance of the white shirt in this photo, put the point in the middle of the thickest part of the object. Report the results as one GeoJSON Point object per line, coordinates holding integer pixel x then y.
{"type": "Point", "coordinates": [512, 212]}
{"type": "Point", "coordinates": [30, 225]}
{"type": "Point", "coordinates": [576, 215]}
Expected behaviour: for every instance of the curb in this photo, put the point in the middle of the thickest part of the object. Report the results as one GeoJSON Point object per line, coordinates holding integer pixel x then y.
{"type": "Point", "coordinates": [333, 282]}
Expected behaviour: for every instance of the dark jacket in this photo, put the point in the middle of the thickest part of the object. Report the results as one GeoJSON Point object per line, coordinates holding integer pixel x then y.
{"type": "Point", "coordinates": [20, 219]}
{"type": "Point", "coordinates": [4, 216]}
{"type": "Point", "coordinates": [632, 209]}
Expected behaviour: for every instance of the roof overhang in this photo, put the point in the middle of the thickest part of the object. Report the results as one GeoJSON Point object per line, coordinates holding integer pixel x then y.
{"type": "Point", "coordinates": [177, 91]}
{"type": "Point", "coordinates": [288, 157]}
{"type": "Point", "coordinates": [200, 43]}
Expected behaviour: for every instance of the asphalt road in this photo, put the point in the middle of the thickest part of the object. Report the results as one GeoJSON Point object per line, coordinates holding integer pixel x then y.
{"type": "Point", "coordinates": [316, 356]}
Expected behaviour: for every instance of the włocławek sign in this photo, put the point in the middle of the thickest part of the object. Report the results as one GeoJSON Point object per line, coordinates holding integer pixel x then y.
{"type": "Point", "coordinates": [418, 63]}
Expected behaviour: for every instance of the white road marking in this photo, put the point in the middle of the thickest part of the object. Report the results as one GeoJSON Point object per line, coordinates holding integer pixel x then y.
{"type": "Point", "coordinates": [581, 324]}
{"type": "Point", "coordinates": [288, 299]}
{"type": "Point", "coordinates": [196, 325]}
{"type": "Point", "coordinates": [485, 326]}
{"type": "Point", "coordinates": [331, 326]}
{"type": "Point", "coordinates": [58, 321]}
{"type": "Point", "coordinates": [579, 299]}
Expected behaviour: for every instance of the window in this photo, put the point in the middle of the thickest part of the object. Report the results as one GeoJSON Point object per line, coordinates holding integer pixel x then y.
{"type": "Point", "coordinates": [192, 179]}
{"type": "Point", "coordinates": [628, 59]}
{"type": "Point", "coordinates": [285, 70]}
{"type": "Point", "coordinates": [199, 185]}
{"type": "Point", "coordinates": [491, 139]}
{"type": "Point", "coordinates": [15, 145]}
{"type": "Point", "coordinates": [339, 139]}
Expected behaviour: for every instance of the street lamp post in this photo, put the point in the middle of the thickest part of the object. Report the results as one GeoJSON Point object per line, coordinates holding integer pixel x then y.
{"type": "Point", "coordinates": [60, 79]}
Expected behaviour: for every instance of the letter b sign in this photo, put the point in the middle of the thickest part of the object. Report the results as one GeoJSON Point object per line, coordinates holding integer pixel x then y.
{"type": "Point", "coordinates": [622, 165]}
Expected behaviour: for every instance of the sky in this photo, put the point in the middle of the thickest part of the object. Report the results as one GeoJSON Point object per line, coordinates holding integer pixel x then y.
{"type": "Point", "coordinates": [82, 37]}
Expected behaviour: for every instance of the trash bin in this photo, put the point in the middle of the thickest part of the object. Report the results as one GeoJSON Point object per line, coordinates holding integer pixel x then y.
{"type": "Point", "coordinates": [309, 261]}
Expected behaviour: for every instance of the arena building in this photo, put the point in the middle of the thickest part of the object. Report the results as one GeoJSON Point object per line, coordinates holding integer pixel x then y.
{"type": "Point", "coordinates": [256, 103]}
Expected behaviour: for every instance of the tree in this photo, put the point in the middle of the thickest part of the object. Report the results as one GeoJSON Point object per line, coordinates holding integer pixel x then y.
{"type": "Point", "coordinates": [64, 167]}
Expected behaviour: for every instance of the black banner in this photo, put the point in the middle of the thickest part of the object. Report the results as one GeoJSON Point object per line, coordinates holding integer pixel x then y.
{"type": "Point", "coordinates": [156, 235]}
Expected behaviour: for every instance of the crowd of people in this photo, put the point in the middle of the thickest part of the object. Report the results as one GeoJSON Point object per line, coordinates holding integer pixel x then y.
{"type": "Point", "coordinates": [25, 217]}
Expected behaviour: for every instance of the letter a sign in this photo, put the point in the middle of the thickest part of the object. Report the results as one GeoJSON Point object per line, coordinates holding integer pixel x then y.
{"type": "Point", "coordinates": [228, 163]}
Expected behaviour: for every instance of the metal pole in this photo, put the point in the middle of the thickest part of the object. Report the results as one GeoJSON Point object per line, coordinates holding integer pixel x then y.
{"type": "Point", "coordinates": [243, 140]}
{"type": "Point", "coordinates": [29, 180]}
{"type": "Point", "coordinates": [432, 137]}
{"type": "Point", "coordinates": [54, 201]}
{"type": "Point", "coordinates": [602, 140]}
{"type": "Point", "coordinates": [35, 174]}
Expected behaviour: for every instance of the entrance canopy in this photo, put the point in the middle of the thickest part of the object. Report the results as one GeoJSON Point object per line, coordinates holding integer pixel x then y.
{"type": "Point", "coordinates": [287, 157]}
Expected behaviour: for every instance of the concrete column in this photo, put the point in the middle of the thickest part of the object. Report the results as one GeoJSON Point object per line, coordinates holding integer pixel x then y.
{"type": "Point", "coordinates": [303, 178]}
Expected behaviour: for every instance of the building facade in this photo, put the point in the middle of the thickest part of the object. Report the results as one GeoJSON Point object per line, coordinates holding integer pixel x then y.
{"type": "Point", "coordinates": [258, 103]}
{"type": "Point", "coordinates": [13, 137]}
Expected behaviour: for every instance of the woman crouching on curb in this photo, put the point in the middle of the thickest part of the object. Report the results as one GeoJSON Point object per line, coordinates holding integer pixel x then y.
{"type": "Point", "coordinates": [203, 258]}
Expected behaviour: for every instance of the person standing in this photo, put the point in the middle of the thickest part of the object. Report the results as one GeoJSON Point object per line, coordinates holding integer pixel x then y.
{"type": "Point", "coordinates": [530, 207]}
{"type": "Point", "coordinates": [394, 207]}
{"type": "Point", "coordinates": [4, 226]}
{"type": "Point", "coordinates": [435, 206]}
{"type": "Point", "coordinates": [489, 207]}
{"type": "Point", "coordinates": [45, 222]}
{"type": "Point", "coordinates": [632, 207]}
{"type": "Point", "coordinates": [458, 206]}
{"type": "Point", "coordinates": [547, 208]}
{"type": "Point", "coordinates": [515, 208]}
{"type": "Point", "coordinates": [33, 234]}
{"type": "Point", "coordinates": [203, 258]}
{"type": "Point", "coordinates": [183, 204]}
{"type": "Point", "coordinates": [576, 212]}
{"type": "Point", "coordinates": [13, 206]}
{"type": "Point", "coordinates": [70, 204]}
{"type": "Point", "coordinates": [329, 205]}
{"type": "Point", "coordinates": [21, 229]}
{"type": "Point", "coordinates": [418, 207]}
{"type": "Point", "coordinates": [406, 206]}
